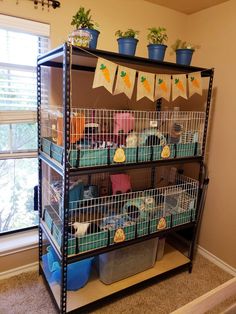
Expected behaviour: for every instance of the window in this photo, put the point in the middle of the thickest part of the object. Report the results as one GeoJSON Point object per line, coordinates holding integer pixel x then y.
{"type": "Point", "coordinates": [21, 41]}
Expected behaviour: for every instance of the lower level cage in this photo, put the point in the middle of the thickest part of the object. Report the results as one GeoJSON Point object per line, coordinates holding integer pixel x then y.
{"type": "Point", "coordinates": [97, 221]}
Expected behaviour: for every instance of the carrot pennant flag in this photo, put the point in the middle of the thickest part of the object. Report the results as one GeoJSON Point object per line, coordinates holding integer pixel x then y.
{"type": "Point", "coordinates": [179, 84]}
{"type": "Point", "coordinates": [163, 86]}
{"type": "Point", "coordinates": [125, 81]}
{"type": "Point", "coordinates": [104, 74]}
{"type": "Point", "coordinates": [145, 86]}
{"type": "Point", "coordinates": [194, 83]}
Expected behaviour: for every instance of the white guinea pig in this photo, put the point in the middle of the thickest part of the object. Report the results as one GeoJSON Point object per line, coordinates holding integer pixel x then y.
{"type": "Point", "coordinates": [132, 140]}
{"type": "Point", "coordinates": [80, 228]}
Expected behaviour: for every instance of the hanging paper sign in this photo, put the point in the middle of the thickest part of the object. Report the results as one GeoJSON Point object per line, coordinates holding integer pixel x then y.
{"type": "Point", "coordinates": [125, 81]}
{"type": "Point", "coordinates": [119, 235]}
{"type": "Point", "coordinates": [119, 155]}
{"type": "Point", "coordinates": [194, 83]}
{"type": "Point", "coordinates": [179, 83]}
{"type": "Point", "coordinates": [165, 153]}
{"type": "Point", "coordinates": [104, 74]}
{"type": "Point", "coordinates": [145, 86]}
{"type": "Point", "coordinates": [161, 224]}
{"type": "Point", "coordinates": [163, 86]}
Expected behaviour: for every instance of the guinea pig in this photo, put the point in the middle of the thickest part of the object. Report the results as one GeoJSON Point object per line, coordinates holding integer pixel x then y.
{"type": "Point", "coordinates": [132, 140]}
{"type": "Point", "coordinates": [82, 228]}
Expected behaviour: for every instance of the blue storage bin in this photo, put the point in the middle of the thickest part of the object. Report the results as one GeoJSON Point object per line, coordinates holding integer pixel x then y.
{"type": "Point", "coordinates": [77, 273]}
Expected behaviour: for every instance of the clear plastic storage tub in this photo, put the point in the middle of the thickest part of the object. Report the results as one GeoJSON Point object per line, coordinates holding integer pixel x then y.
{"type": "Point", "coordinates": [122, 263]}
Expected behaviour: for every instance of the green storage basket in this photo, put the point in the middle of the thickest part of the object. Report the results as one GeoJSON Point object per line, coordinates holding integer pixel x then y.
{"type": "Point", "coordinates": [93, 157]}
{"type": "Point", "coordinates": [185, 150]}
{"type": "Point", "coordinates": [181, 218]}
{"type": "Point", "coordinates": [46, 145]}
{"type": "Point", "coordinates": [142, 228]}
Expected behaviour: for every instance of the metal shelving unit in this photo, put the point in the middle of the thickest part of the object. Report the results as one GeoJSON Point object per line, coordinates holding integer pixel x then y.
{"type": "Point", "coordinates": [69, 58]}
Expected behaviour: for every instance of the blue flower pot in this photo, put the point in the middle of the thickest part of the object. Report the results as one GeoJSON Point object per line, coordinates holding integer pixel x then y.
{"type": "Point", "coordinates": [156, 52]}
{"type": "Point", "coordinates": [184, 56]}
{"type": "Point", "coordinates": [127, 46]}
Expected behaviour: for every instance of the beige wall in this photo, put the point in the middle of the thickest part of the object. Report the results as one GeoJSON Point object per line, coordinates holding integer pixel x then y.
{"type": "Point", "coordinates": [111, 15]}
{"type": "Point", "coordinates": [213, 29]}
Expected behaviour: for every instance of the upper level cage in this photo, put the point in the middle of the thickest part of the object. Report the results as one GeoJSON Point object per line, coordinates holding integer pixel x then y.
{"type": "Point", "coordinates": [101, 137]}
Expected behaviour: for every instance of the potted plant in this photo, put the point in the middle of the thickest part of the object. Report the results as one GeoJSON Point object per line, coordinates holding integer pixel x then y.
{"type": "Point", "coordinates": [127, 41]}
{"type": "Point", "coordinates": [157, 38]}
{"type": "Point", "coordinates": [184, 51]}
{"type": "Point", "coordinates": [82, 21]}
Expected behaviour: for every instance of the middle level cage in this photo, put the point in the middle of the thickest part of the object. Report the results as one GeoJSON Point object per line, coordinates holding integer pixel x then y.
{"type": "Point", "coordinates": [105, 209]}
{"type": "Point", "coordinates": [100, 137]}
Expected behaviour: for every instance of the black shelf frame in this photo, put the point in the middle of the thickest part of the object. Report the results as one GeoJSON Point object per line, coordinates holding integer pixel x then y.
{"type": "Point", "coordinates": [62, 57]}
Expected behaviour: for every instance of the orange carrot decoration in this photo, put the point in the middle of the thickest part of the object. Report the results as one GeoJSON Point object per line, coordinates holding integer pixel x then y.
{"type": "Point", "coordinates": [126, 79]}
{"type": "Point", "coordinates": [146, 84]}
{"type": "Point", "coordinates": [179, 85]}
{"type": "Point", "coordinates": [105, 72]}
{"type": "Point", "coordinates": [162, 85]}
{"type": "Point", "coordinates": [195, 82]}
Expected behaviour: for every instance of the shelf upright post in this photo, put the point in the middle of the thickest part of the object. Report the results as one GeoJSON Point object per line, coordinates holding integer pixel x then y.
{"type": "Point", "coordinates": [65, 190]}
{"type": "Point", "coordinates": [153, 169]}
{"type": "Point", "coordinates": [208, 104]}
{"type": "Point", "coordinates": [203, 179]}
{"type": "Point", "coordinates": [39, 161]}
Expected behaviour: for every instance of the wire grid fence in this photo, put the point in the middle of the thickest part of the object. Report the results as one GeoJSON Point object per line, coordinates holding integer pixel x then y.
{"type": "Point", "coordinates": [103, 137]}
{"type": "Point", "coordinates": [96, 222]}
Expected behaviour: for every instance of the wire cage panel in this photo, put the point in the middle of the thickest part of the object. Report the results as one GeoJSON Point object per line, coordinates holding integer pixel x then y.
{"type": "Point", "coordinates": [100, 221]}
{"type": "Point", "coordinates": [101, 137]}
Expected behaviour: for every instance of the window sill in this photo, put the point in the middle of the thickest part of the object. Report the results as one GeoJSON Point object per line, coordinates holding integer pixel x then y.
{"type": "Point", "coordinates": [17, 242]}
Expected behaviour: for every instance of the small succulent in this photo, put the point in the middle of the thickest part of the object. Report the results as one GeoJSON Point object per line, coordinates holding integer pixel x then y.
{"type": "Point", "coordinates": [83, 19]}
{"type": "Point", "coordinates": [157, 35]}
{"type": "Point", "coordinates": [130, 33]}
{"type": "Point", "coordinates": [179, 44]}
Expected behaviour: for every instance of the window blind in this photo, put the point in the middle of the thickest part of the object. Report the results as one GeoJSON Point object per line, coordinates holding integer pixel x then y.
{"type": "Point", "coordinates": [18, 60]}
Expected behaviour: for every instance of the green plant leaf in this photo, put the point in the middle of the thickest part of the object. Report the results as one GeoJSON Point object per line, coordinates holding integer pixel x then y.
{"type": "Point", "coordinates": [122, 73]}
{"type": "Point", "coordinates": [176, 81]}
{"type": "Point", "coordinates": [143, 79]}
{"type": "Point", "coordinates": [160, 81]}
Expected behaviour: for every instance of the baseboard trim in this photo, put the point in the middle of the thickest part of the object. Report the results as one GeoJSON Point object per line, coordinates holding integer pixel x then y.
{"type": "Point", "coordinates": [19, 270]}
{"type": "Point", "coordinates": [217, 261]}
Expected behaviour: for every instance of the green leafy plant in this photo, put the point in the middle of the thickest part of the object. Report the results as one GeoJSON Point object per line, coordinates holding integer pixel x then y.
{"type": "Point", "coordinates": [179, 44]}
{"type": "Point", "coordinates": [157, 35]}
{"type": "Point", "coordinates": [83, 19]}
{"type": "Point", "coordinates": [130, 33]}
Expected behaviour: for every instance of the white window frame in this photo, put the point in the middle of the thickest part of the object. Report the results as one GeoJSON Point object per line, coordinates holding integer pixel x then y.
{"type": "Point", "coordinates": [21, 116]}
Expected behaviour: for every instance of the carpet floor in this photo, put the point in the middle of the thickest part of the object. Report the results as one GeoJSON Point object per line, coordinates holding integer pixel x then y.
{"type": "Point", "coordinates": [27, 294]}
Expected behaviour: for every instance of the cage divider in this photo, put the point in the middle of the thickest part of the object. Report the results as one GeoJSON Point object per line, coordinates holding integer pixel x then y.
{"type": "Point", "coordinates": [76, 245]}
{"type": "Point", "coordinates": [137, 153]}
{"type": "Point", "coordinates": [108, 156]}
{"type": "Point", "coordinates": [195, 148]}
{"type": "Point", "coordinates": [77, 157]}
{"type": "Point", "coordinates": [175, 150]}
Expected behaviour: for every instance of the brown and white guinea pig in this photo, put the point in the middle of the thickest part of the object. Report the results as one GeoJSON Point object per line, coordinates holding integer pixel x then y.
{"type": "Point", "coordinates": [81, 228]}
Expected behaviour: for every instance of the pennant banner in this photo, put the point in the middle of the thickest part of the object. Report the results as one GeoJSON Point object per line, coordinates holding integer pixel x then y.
{"type": "Point", "coordinates": [145, 87]}
{"type": "Point", "coordinates": [125, 81]}
{"type": "Point", "coordinates": [179, 84]}
{"type": "Point", "coordinates": [150, 85]}
{"type": "Point", "coordinates": [194, 83]}
{"type": "Point", "coordinates": [104, 74]}
{"type": "Point", "coordinates": [163, 86]}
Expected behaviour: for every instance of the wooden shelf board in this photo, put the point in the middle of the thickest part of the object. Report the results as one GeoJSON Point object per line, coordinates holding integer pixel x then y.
{"type": "Point", "coordinates": [96, 290]}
